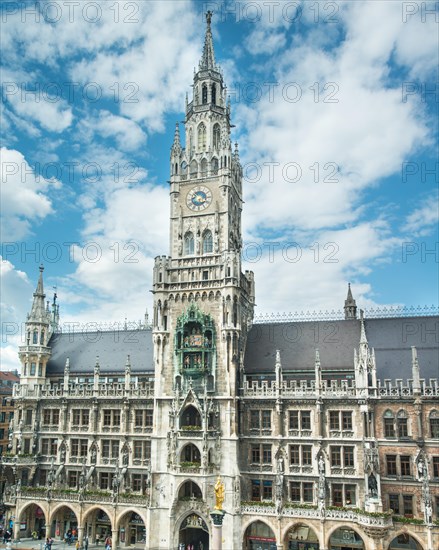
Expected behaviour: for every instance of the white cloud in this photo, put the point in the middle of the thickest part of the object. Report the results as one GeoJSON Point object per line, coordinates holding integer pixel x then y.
{"type": "Point", "coordinates": [16, 292]}
{"type": "Point", "coordinates": [128, 135]}
{"type": "Point", "coordinates": [23, 195]}
{"type": "Point", "coordinates": [424, 219]}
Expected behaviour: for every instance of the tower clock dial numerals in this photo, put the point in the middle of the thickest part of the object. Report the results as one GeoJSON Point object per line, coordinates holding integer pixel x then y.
{"type": "Point", "coordinates": [199, 198]}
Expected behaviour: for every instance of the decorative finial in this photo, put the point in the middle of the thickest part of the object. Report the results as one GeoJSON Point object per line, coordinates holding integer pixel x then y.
{"type": "Point", "coordinates": [41, 268]}
{"type": "Point", "coordinates": [209, 17]}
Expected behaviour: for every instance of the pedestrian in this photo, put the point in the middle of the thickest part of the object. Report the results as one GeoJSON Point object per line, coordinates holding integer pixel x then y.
{"type": "Point", "coordinates": [86, 542]}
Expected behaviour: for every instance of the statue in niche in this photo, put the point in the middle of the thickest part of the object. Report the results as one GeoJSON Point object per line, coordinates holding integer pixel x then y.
{"type": "Point", "coordinates": [93, 454]}
{"type": "Point", "coordinates": [321, 466]}
{"type": "Point", "coordinates": [373, 485]}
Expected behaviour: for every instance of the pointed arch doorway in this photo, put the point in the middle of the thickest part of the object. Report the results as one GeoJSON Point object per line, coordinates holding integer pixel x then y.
{"type": "Point", "coordinates": [193, 531]}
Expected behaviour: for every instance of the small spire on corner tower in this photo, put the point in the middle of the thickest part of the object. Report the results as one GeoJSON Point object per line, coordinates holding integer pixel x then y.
{"type": "Point", "coordinates": [350, 305]}
{"type": "Point", "coordinates": [208, 59]}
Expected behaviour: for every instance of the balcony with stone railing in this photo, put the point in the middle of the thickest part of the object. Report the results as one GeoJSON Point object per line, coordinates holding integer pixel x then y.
{"type": "Point", "coordinates": [399, 388]}
{"type": "Point", "coordinates": [361, 517]}
{"type": "Point", "coordinates": [298, 388]}
{"type": "Point", "coordinates": [101, 390]}
{"type": "Point", "coordinates": [73, 495]}
{"type": "Point", "coordinates": [306, 389]}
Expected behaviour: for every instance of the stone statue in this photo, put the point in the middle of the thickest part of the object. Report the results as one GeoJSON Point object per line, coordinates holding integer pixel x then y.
{"type": "Point", "coordinates": [428, 514]}
{"type": "Point", "coordinates": [219, 494]}
{"type": "Point", "coordinates": [373, 486]}
{"type": "Point", "coordinates": [125, 457]}
{"type": "Point", "coordinates": [321, 466]}
{"type": "Point", "coordinates": [93, 453]}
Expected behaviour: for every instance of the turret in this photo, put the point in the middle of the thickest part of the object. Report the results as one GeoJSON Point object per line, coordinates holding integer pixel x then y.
{"type": "Point", "coordinates": [350, 306]}
{"type": "Point", "coordinates": [35, 354]}
{"type": "Point", "coordinates": [364, 362]}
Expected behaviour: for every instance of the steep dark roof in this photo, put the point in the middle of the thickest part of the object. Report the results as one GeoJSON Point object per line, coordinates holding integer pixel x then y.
{"type": "Point", "coordinates": [297, 343]}
{"type": "Point", "coordinates": [112, 347]}
{"type": "Point", "coordinates": [336, 340]}
{"type": "Point", "coordinates": [392, 339]}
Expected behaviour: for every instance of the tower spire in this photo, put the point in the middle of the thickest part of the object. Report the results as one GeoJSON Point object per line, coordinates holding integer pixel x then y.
{"type": "Point", "coordinates": [208, 59]}
{"type": "Point", "coordinates": [38, 311]}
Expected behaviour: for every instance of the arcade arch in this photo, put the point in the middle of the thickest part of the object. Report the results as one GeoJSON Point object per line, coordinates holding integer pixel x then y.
{"type": "Point", "coordinates": [345, 538]}
{"type": "Point", "coordinates": [131, 529]}
{"type": "Point", "coordinates": [301, 537]}
{"type": "Point", "coordinates": [32, 519]}
{"type": "Point", "coordinates": [259, 536]}
{"type": "Point", "coordinates": [63, 520]}
{"type": "Point", "coordinates": [97, 525]}
{"type": "Point", "coordinates": [405, 541]}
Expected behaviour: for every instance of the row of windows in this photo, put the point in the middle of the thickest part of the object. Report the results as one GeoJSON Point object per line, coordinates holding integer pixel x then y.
{"type": "Point", "coordinates": [342, 421]}
{"type": "Point", "coordinates": [398, 426]}
{"type": "Point", "coordinates": [342, 494]}
{"type": "Point", "coordinates": [34, 337]}
{"type": "Point", "coordinates": [202, 138]}
{"type": "Point", "coordinates": [401, 504]}
{"type": "Point", "coordinates": [301, 420]}
{"type": "Point", "coordinates": [189, 243]}
{"type": "Point", "coordinates": [110, 448]}
{"type": "Point", "coordinates": [81, 417]}
{"type": "Point", "coordinates": [401, 465]}
{"type": "Point", "coordinates": [301, 455]}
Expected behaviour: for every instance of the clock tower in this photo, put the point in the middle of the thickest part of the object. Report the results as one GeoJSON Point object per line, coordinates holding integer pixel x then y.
{"type": "Point", "coordinates": [203, 307]}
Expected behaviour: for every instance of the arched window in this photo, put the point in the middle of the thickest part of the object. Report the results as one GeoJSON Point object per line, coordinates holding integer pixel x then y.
{"type": "Point", "coordinates": [434, 424]}
{"type": "Point", "coordinates": [189, 243]}
{"type": "Point", "coordinates": [214, 166]}
{"type": "Point", "coordinates": [204, 95]}
{"type": "Point", "coordinates": [42, 338]}
{"type": "Point", "coordinates": [176, 168]}
{"type": "Point", "coordinates": [207, 242]}
{"type": "Point", "coordinates": [190, 418]}
{"type": "Point", "coordinates": [194, 169]}
{"type": "Point", "coordinates": [35, 337]}
{"type": "Point", "coordinates": [203, 168]}
{"type": "Point", "coordinates": [214, 94]}
{"type": "Point", "coordinates": [202, 137]}
{"type": "Point", "coordinates": [389, 424]}
{"type": "Point", "coordinates": [190, 453]}
{"type": "Point", "coordinates": [216, 136]}
{"type": "Point", "coordinates": [184, 168]}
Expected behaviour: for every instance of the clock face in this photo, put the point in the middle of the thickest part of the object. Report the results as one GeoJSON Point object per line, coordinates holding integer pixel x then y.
{"type": "Point", "coordinates": [199, 198]}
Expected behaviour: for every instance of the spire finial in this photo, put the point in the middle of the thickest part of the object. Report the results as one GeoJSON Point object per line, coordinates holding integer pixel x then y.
{"type": "Point", "coordinates": [363, 338]}
{"type": "Point", "coordinates": [208, 58]}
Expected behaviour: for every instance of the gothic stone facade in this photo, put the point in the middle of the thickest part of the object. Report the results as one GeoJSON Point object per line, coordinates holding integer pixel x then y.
{"type": "Point", "coordinates": [124, 433]}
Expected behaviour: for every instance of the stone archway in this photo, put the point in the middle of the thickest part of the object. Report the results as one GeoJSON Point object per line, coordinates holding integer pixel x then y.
{"type": "Point", "coordinates": [32, 522]}
{"type": "Point", "coordinates": [64, 524]}
{"type": "Point", "coordinates": [301, 537]}
{"type": "Point", "coordinates": [97, 525]}
{"type": "Point", "coordinates": [193, 530]}
{"type": "Point", "coordinates": [405, 541]}
{"type": "Point", "coordinates": [259, 536]}
{"type": "Point", "coordinates": [345, 538]}
{"type": "Point", "coordinates": [131, 529]}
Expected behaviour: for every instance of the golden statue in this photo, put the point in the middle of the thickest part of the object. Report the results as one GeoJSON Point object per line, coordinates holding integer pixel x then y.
{"type": "Point", "coordinates": [219, 494]}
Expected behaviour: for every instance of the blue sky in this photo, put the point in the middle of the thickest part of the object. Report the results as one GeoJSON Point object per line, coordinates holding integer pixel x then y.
{"type": "Point", "coordinates": [335, 109]}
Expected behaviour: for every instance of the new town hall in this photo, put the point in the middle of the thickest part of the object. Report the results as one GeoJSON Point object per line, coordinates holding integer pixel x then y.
{"type": "Point", "coordinates": [325, 433]}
